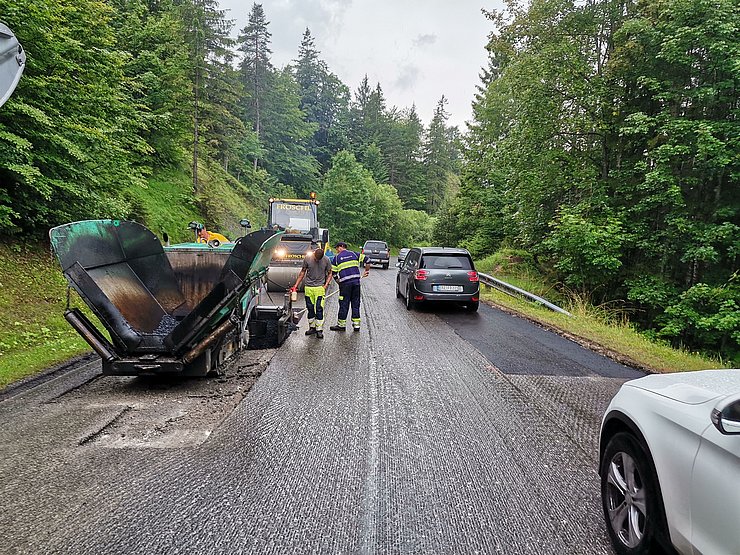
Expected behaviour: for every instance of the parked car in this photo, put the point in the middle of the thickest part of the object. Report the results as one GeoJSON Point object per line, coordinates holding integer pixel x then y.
{"type": "Point", "coordinates": [670, 464]}
{"type": "Point", "coordinates": [438, 274]}
{"type": "Point", "coordinates": [402, 254]}
{"type": "Point", "coordinates": [377, 252]}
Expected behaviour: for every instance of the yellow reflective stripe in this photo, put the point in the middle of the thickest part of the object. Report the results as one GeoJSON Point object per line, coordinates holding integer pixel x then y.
{"type": "Point", "coordinates": [348, 264]}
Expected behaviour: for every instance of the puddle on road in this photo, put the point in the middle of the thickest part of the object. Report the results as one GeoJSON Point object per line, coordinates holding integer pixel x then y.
{"type": "Point", "coordinates": [162, 412]}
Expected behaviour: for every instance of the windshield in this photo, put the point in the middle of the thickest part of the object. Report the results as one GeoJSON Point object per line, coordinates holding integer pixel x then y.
{"type": "Point", "coordinates": [294, 218]}
{"type": "Point", "coordinates": [446, 262]}
{"type": "Point", "coordinates": [376, 245]}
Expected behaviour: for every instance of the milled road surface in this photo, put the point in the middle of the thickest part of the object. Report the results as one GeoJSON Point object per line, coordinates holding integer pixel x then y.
{"type": "Point", "coordinates": [431, 431]}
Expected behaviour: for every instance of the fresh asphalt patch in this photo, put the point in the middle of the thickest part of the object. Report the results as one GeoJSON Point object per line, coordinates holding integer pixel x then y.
{"type": "Point", "coordinates": [518, 347]}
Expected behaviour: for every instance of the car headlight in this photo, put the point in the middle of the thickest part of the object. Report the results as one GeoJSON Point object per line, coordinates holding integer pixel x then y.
{"type": "Point", "coordinates": [280, 252]}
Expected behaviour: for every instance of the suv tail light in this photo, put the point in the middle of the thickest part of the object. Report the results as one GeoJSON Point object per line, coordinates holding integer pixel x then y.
{"type": "Point", "coordinates": [421, 274]}
{"type": "Point", "coordinates": [473, 276]}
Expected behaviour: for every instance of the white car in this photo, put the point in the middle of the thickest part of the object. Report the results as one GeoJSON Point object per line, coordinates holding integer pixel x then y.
{"type": "Point", "coordinates": [669, 461]}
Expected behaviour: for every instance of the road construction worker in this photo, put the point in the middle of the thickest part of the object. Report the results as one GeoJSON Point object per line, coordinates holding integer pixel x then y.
{"type": "Point", "coordinates": [317, 273]}
{"type": "Point", "coordinates": [347, 269]}
{"type": "Point", "coordinates": [205, 236]}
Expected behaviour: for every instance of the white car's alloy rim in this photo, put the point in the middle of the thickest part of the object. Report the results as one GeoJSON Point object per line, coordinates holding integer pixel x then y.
{"type": "Point", "coordinates": [626, 500]}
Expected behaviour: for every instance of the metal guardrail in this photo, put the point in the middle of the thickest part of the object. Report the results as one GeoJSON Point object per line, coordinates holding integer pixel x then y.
{"type": "Point", "coordinates": [517, 292]}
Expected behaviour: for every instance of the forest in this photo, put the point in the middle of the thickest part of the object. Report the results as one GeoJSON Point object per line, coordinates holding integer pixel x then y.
{"type": "Point", "coordinates": [121, 99]}
{"type": "Point", "coordinates": [603, 149]}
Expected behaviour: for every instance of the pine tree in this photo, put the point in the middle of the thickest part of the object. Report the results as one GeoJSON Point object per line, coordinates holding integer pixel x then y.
{"type": "Point", "coordinates": [440, 156]}
{"type": "Point", "coordinates": [256, 67]}
{"type": "Point", "coordinates": [324, 100]}
{"type": "Point", "coordinates": [209, 42]}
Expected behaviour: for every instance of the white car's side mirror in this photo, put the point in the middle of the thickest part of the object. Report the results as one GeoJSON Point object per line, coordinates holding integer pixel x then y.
{"type": "Point", "coordinates": [726, 418]}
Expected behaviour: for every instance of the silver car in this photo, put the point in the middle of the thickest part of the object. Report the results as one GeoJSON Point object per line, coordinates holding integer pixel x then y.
{"type": "Point", "coordinates": [670, 464]}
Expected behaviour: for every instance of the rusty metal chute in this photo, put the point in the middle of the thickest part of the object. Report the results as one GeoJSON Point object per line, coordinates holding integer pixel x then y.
{"type": "Point", "coordinates": [161, 318]}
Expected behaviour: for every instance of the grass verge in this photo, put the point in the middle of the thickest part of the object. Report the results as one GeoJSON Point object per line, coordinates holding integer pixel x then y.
{"type": "Point", "coordinates": [33, 294]}
{"type": "Point", "coordinates": [602, 330]}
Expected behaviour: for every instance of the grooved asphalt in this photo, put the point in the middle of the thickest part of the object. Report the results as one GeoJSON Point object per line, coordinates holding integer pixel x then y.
{"type": "Point", "coordinates": [430, 431]}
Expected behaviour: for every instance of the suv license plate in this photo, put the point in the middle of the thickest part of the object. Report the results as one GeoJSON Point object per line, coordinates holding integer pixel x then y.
{"type": "Point", "coordinates": [448, 288]}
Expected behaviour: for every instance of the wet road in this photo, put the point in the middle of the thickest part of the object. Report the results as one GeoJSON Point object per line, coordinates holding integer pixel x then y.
{"type": "Point", "coordinates": [431, 431]}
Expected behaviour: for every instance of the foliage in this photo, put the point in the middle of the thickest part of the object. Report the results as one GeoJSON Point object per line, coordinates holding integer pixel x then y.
{"type": "Point", "coordinates": [324, 100]}
{"type": "Point", "coordinates": [509, 262]}
{"type": "Point", "coordinates": [605, 141]}
{"type": "Point", "coordinates": [441, 159]}
{"type": "Point", "coordinates": [156, 69]}
{"type": "Point", "coordinates": [705, 315]}
{"type": "Point", "coordinates": [587, 251]}
{"type": "Point", "coordinates": [285, 135]}
{"type": "Point", "coordinates": [413, 228]}
{"type": "Point", "coordinates": [274, 110]}
{"type": "Point", "coordinates": [56, 131]}
{"type": "Point", "coordinates": [346, 199]}
{"type": "Point", "coordinates": [357, 208]}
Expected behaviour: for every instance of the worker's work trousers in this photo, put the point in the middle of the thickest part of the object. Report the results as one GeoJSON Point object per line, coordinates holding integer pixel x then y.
{"type": "Point", "coordinates": [349, 294]}
{"type": "Point", "coordinates": [315, 297]}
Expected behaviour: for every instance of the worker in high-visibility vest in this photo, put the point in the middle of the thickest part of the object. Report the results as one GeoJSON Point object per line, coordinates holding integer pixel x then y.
{"type": "Point", "coordinates": [346, 268]}
{"type": "Point", "coordinates": [317, 273]}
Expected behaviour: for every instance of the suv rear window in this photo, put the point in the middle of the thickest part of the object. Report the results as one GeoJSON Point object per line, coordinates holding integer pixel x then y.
{"type": "Point", "coordinates": [376, 245]}
{"type": "Point", "coordinates": [446, 262]}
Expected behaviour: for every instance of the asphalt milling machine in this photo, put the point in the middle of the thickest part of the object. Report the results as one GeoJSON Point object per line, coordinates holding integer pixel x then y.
{"type": "Point", "coordinates": [183, 309]}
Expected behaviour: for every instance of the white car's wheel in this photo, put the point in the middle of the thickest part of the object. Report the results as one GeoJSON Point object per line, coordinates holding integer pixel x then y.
{"type": "Point", "coordinates": [630, 496]}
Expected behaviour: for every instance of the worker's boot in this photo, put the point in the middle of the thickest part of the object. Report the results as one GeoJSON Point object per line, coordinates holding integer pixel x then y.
{"type": "Point", "coordinates": [319, 334]}
{"type": "Point", "coordinates": [310, 331]}
{"type": "Point", "coordinates": [338, 328]}
{"type": "Point", "coordinates": [355, 328]}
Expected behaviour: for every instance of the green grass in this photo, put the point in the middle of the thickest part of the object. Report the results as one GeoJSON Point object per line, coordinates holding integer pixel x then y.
{"type": "Point", "coordinates": [604, 329]}
{"type": "Point", "coordinates": [33, 332]}
{"type": "Point", "coordinates": [167, 205]}
{"type": "Point", "coordinates": [224, 201]}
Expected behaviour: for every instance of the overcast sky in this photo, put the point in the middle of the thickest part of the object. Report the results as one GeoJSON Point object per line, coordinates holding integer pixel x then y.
{"type": "Point", "coordinates": [417, 49]}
